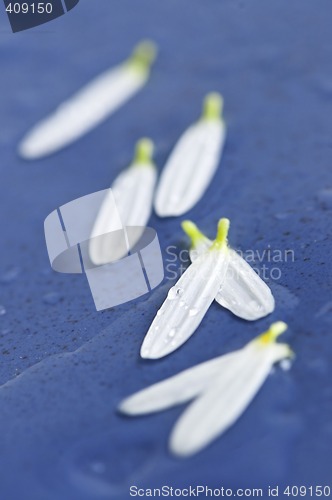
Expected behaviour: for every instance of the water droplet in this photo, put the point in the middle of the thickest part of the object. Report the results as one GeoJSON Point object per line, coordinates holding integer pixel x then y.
{"type": "Point", "coordinates": [325, 198]}
{"type": "Point", "coordinates": [99, 471]}
{"type": "Point", "coordinates": [2, 310]}
{"type": "Point", "coordinates": [282, 215]}
{"type": "Point", "coordinates": [193, 311]}
{"type": "Point", "coordinates": [10, 275]}
{"type": "Point", "coordinates": [52, 298]}
{"type": "Point", "coordinates": [174, 293]}
{"type": "Point", "coordinates": [160, 312]}
{"type": "Point", "coordinates": [97, 467]}
{"type": "Point", "coordinates": [172, 332]}
{"type": "Point", "coordinates": [255, 305]}
{"type": "Point", "coordinates": [157, 328]}
{"type": "Point", "coordinates": [285, 364]}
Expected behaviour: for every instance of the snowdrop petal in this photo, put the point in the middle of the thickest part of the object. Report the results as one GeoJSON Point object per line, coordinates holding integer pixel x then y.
{"type": "Point", "coordinates": [243, 292]}
{"type": "Point", "coordinates": [219, 407]}
{"type": "Point", "coordinates": [90, 106]}
{"type": "Point", "coordinates": [188, 301]}
{"type": "Point", "coordinates": [193, 162]}
{"type": "Point", "coordinates": [224, 388]}
{"type": "Point", "coordinates": [133, 194]}
{"type": "Point", "coordinates": [176, 390]}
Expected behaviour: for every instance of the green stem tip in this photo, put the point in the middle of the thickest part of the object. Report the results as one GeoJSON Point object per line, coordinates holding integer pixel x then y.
{"type": "Point", "coordinates": [144, 54]}
{"type": "Point", "coordinates": [192, 232]}
{"type": "Point", "coordinates": [213, 106]}
{"type": "Point", "coordinates": [144, 151]}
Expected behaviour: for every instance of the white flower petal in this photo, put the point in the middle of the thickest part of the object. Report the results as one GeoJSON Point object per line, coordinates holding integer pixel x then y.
{"type": "Point", "coordinates": [133, 192]}
{"type": "Point", "coordinates": [185, 306]}
{"type": "Point", "coordinates": [219, 408]}
{"type": "Point", "coordinates": [133, 195]}
{"type": "Point", "coordinates": [243, 292]}
{"type": "Point", "coordinates": [191, 166]}
{"type": "Point", "coordinates": [90, 106]}
{"type": "Point", "coordinates": [188, 301]}
{"type": "Point", "coordinates": [224, 388]}
{"type": "Point", "coordinates": [176, 390]}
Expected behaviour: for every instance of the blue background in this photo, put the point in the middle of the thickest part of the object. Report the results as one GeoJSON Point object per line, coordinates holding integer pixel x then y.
{"type": "Point", "coordinates": [64, 367]}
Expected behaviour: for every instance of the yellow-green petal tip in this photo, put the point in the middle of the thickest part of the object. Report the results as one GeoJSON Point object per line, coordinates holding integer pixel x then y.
{"type": "Point", "coordinates": [273, 332]}
{"type": "Point", "coordinates": [222, 233]}
{"type": "Point", "coordinates": [144, 54]}
{"type": "Point", "coordinates": [144, 151]}
{"type": "Point", "coordinates": [192, 232]}
{"type": "Point", "coordinates": [213, 106]}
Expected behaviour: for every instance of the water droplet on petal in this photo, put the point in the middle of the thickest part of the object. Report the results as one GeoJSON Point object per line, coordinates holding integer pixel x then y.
{"type": "Point", "coordinates": [160, 312]}
{"type": "Point", "coordinates": [193, 311]}
{"type": "Point", "coordinates": [255, 305]}
{"type": "Point", "coordinates": [2, 310]}
{"type": "Point", "coordinates": [174, 293]}
{"type": "Point", "coordinates": [172, 332]}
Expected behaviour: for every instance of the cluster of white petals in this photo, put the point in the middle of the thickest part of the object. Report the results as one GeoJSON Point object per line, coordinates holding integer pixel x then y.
{"type": "Point", "coordinates": [216, 273]}
{"type": "Point", "coordinates": [222, 389]}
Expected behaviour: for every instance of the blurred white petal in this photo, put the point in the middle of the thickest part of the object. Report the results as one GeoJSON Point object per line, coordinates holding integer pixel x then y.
{"type": "Point", "coordinates": [176, 390]}
{"type": "Point", "coordinates": [133, 195]}
{"type": "Point", "coordinates": [224, 402]}
{"type": "Point", "coordinates": [243, 292]}
{"type": "Point", "coordinates": [90, 106]}
{"type": "Point", "coordinates": [188, 301]}
{"type": "Point", "coordinates": [224, 388]}
{"type": "Point", "coordinates": [192, 164]}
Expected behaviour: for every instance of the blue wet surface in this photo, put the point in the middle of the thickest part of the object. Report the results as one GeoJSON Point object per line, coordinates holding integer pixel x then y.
{"type": "Point", "coordinates": [64, 367]}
